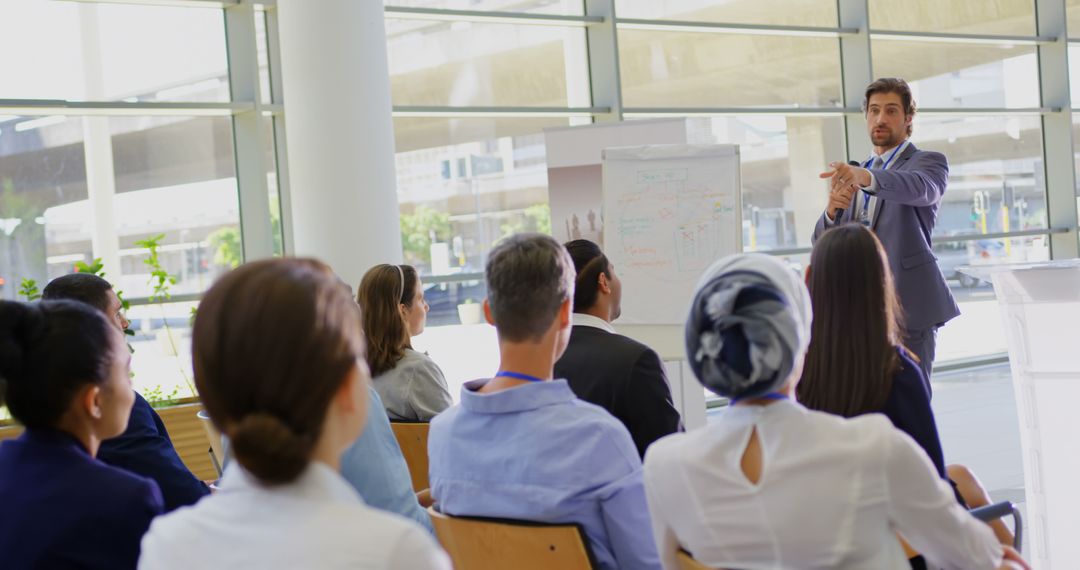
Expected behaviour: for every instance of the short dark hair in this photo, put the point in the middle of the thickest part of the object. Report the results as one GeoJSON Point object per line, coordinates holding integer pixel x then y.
{"type": "Point", "coordinates": [892, 85]}
{"type": "Point", "coordinates": [529, 276]}
{"type": "Point", "coordinates": [48, 352]}
{"type": "Point", "coordinates": [589, 263]}
{"type": "Point", "coordinates": [272, 343]}
{"type": "Point", "coordinates": [83, 287]}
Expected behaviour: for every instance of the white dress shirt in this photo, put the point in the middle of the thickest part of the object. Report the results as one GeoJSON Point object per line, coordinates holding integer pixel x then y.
{"type": "Point", "coordinates": [586, 320]}
{"type": "Point", "coordinates": [832, 494]}
{"type": "Point", "coordinates": [317, 521]}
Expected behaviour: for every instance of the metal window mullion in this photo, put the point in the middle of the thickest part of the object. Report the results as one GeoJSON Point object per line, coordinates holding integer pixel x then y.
{"type": "Point", "coordinates": [856, 71]}
{"type": "Point", "coordinates": [602, 42]}
{"type": "Point", "coordinates": [273, 61]}
{"type": "Point", "coordinates": [1050, 20]}
{"type": "Point", "coordinates": [256, 235]}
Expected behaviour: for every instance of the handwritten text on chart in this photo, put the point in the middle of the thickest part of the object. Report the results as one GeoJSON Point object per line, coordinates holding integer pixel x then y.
{"type": "Point", "coordinates": [661, 175]}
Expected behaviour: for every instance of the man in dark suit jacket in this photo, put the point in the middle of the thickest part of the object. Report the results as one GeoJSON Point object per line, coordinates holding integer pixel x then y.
{"type": "Point", "coordinates": [605, 368]}
{"type": "Point", "coordinates": [897, 192]}
{"type": "Point", "coordinates": [145, 447]}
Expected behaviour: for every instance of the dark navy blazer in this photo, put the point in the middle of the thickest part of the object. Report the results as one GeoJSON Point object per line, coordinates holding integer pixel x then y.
{"type": "Point", "coordinates": [61, 508]}
{"type": "Point", "coordinates": [145, 449]}
{"type": "Point", "coordinates": [908, 407]}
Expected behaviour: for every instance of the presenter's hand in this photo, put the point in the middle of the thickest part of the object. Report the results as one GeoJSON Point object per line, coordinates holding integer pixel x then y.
{"type": "Point", "coordinates": [844, 175]}
{"type": "Point", "coordinates": [839, 199]}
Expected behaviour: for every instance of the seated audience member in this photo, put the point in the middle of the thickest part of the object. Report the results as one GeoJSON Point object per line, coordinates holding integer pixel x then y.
{"type": "Point", "coordinates": [411, 385]}
{"type": "Point", "coordinates": [279, 363]}
{"type": "Point", "coordinates": [64, 376]}
{"type": "Point", "coordinates": [376, 468]}
{"type": "Point", "coordinates": [856, 364]}
{"type": "Point", "coordinates": [608, 369]}
{"type": "Point", "coordinates": [771, 484]}
{"type": "Point", "coordinates": [144, 448]}
{"type": "Point", "coordinates": [520, 445]}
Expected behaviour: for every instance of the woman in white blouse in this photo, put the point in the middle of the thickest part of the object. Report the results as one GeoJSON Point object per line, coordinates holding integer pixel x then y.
{"type": "Point", "coordinates": [774, 485]}
{"type": "Point", "coordinates": [279, 364]}
{"type": "Point", "coordinates": [411, 385]}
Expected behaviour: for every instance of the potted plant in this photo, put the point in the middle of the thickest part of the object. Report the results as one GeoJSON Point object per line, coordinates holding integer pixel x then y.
{"type": "Point", "coordinates": [470, 312]}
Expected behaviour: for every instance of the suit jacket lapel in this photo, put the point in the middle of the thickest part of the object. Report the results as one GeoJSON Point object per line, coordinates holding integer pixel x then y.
{"type": "Point", "coordinates": [900, 160]}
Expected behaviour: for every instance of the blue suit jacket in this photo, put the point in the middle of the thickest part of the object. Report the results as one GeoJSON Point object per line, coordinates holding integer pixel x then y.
{"type": "Point", "coordinates": [909, 195]}
{"type": "Point", "coordinates": [62, 508]}
{"type": "Point", "coordinates": [908, 408]}
{"type": "Point", "coordinates": [145, 449]}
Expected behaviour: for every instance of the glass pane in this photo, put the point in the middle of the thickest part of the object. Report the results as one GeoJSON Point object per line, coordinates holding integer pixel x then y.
{"type": "Point", "coordinates": [978, 331]}
{"type": "Point", "coordinates": [781, 159]}
{"type": "Point", "coordinates": [261, 52]}
{"type": "Point", "coordinates": [962, 75]}
{"type": "Point", "coordinates": [564, 7]}
{"type": "Point", "coordinates": [769, 12]}
{"type": "Point", "coordinates": [996, 180]}
{"type": "Point", "coordinates": [112, 52]}
{"type": "Point", "coordinates": [675, 69]}
{"type": "Point", "coordinates": [463, 184]}
{"type": "Point", "coordinates": [1074, 72]}
{"type": "Point", "coordinates": [272, 187]}
{"type": "Point", "coordinates": [168, 175]}
{"type": "Point", "coordinates": [472, 64]}
{"type": "Point", "coordinates": [1000, 17]}
{"type": "Point", "coordinates": [1072, 13]}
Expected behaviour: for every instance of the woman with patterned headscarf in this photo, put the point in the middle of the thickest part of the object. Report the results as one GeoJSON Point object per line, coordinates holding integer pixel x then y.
{"type": "Point", "coordinates": [770, 484]}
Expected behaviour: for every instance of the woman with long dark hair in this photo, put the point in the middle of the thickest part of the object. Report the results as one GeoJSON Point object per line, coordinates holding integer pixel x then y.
{"type": "Point", "coordinates": [411, 385]}
{"type": "Point", "coordinates": [856, 363]}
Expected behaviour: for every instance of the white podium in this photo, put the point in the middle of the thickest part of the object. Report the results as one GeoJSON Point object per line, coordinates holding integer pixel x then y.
{"type": "Point", "coordinates": [1040, 306]}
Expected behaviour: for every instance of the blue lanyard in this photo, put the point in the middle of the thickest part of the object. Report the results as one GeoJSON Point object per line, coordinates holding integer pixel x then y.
{"type": "Point", "coordinates": [769, 396]}
{"type": "Point", "coordinates": [518, 376]}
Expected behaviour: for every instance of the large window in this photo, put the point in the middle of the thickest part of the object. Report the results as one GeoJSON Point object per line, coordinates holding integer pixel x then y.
{"type": "Point", "coordinates": [142, 167]}
{"type": "Point", "coordinates": [762, 74]}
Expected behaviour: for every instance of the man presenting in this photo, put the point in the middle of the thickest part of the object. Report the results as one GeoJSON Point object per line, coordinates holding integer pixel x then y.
{"type": "Point", "coordinates": [896, 192]}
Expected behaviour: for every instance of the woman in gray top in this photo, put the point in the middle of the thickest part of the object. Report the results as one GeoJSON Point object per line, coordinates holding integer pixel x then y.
{"type": "Point", "coordinates": [410, 384]}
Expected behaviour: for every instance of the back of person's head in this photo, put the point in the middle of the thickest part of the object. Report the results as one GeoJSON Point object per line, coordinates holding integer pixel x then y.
{"type": "Point", "coordinates": [274, 342]}
{"type": "Point", "coordinates": [749, 326]}
{"type": "Point", "coordinates": [384, 289]}
{"type": "Point", "coordinates": [83, 287]}
{"type": "Point", "coordinates": [852, 354]}
{"type": "Point", "coordinates": [589, 263]}
{"type": "Point", "coordinates": [529, 278]}
{"type": "Point", "coordinates": [50, 353]}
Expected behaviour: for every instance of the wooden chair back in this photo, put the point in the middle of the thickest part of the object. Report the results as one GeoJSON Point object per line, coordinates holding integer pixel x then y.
{"type": "Point", "coordinates": [189, 438]}
{"type": "Point", "coordinates": [412, 437]}
{"type": "Point", "coordinates": [481, 544]}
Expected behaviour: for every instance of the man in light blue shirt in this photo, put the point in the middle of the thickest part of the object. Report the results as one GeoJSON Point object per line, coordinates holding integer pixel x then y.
{"type": "Point", "coordinates": [521, 445]}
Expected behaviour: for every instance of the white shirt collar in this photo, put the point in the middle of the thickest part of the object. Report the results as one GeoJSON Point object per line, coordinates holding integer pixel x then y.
{"type": "Point", "coordinates": [318, 482]}
{"type": "Point", "coordinates": [585, 320]}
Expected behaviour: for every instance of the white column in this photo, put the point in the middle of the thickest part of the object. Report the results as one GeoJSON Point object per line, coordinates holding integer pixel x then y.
{"type": "Point", "coordinates": [336, 91]}
{"type": "Point", "coordinates": [97, 150]}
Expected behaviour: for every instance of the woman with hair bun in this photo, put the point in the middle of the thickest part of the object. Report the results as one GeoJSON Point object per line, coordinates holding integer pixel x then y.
{"type": "Point", "coordinates": [771, 484]}
{"type": "Point", "coordinates": [64, 376]}
{"type": "Point", "coordinates": [279, 364]}
{"type": "Point", "coordinates": [411, 385]}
